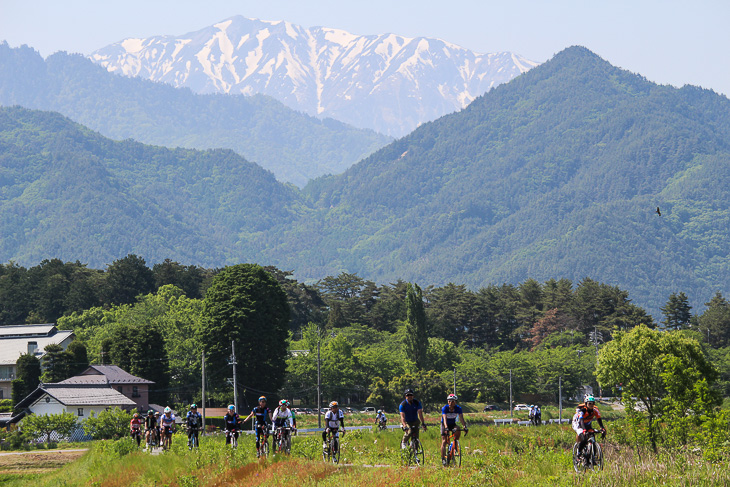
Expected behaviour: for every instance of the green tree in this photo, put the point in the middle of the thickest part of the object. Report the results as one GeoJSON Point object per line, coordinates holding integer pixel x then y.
{"type": "Point", "coordinates": [245, 304]}
{"type": "Point", "coordinates": [652, 365]}
{"type": "Point", "coordinates": [43, 426]}
{"type": "Point", "coordinates": [108, 424]}
{"type": "Point", "coordinates": [28, 372]}
{"type": "Point", "coordinates": [78, 357]}
{"type": "Point", "coordinates": [714, 323]}
{"type": "Point", "coordinates": [56, 364]}
{"type": "Point", "coordinates": [416, 334]}
{"type": "Point", "coordinates": [677, 312]}
{"type": "Point", "coordinates": [128, 278]}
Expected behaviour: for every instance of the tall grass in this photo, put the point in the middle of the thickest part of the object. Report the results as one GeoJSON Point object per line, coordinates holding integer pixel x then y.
{"type": "Point", "coordinates": [504, 455]}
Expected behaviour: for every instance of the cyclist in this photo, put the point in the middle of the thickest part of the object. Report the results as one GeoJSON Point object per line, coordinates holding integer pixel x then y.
{"type": "Point", "coordinates": [158, 429]}
{"type": "Point", "coordinates": [262, 418]}
{"type": "Point", "coordinates": [293, 417]}
{"type": "Point", "coordinates": [537, 419]}
{"type": "Point", "coordinates": [167, 421]}
{"type": "Point", "coordinates": [232, 423]}
{"type": "Point", "coordinates": [584, 416]}
{"type": "Point", "coordinates": [411, 417]}
{"type": "Point", "coordinates": [449, 413]}
{"type": "Point", "coordinates": [194, 420]}
{"type": "Point", "coordinates": [283, 417]}
{"type": "Point", "coordinates": [135, 425]}
{"type": "Point", "coordinates": [380, 418]}
{"type": "Point", "coordinates": [332, 421]}
{"type": "Point", "coordinates": [150, 425]}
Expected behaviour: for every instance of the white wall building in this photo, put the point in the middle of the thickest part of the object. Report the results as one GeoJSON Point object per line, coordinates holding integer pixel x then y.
{"type": "Point", "coordinates": [78, 399]}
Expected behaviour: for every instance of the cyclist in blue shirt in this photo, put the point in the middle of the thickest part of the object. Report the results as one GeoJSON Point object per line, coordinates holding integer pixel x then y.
{"type": "Point", "coordinates": [449, 413]}
{"type": "Point", "coordinates": [411, 417]}
{"type": "Point", "coordinates": [262, 420]}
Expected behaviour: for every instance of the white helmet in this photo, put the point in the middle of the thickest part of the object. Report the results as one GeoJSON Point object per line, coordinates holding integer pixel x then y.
{"type": "Point", "coordinates": [452, 397]}
{"type": "Point", "coordinates": [168, 410]}
{"type": "Point", "coordinates": [380, 411]}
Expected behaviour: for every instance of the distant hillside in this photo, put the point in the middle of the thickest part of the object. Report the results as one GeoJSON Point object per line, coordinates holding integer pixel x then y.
{"type": "Point", "coordinates": [557, 173]}
{"type": "Point", "coordinates": [386, 82]}
{"type": "Point", "coordinates": [294, 146]}
{"type": "Point", "coordinates": [68, 192]}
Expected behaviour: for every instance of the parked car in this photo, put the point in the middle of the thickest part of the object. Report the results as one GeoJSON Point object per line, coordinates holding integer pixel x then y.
{"type": "Point", "coordinates": [308, 411]}
{"type": "Point", "coordinates": [491, 407]}
{"type": "Point", "coordinates": [522, 407]}
{"type": "Point", "coordinates": [368, 410]}
{"type": "Point", "coordinates": [349, 410]}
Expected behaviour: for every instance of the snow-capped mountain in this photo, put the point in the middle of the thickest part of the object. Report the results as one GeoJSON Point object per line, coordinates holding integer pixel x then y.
{"type": "Point", "coordinates": [387, 82]}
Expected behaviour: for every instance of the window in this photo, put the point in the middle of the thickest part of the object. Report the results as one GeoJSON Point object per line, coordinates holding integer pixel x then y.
{"type": "Point", "coordinates": [32, 347]}
{"type": "Point", "coordinates": [135, 391]}
{"type": "Point", "coordinates": [1, 393]}
{"type": "Point", "coordinates": [81, 411]}
{"type": "Point", "coordinates": [120, 389]}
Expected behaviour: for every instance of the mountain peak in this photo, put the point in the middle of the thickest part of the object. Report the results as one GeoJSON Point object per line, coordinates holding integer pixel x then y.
{"type": "Point", "coordinates": [386, 82]}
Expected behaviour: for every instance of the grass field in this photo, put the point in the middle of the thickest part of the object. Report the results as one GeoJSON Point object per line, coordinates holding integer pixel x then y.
{"type": "Point", "coordinates": [505, 455]}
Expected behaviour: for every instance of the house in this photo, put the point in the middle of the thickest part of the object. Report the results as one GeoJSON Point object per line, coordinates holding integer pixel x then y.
{"type": "Point", "coordinates": [134, 388]}
{"type": "Point", "coordinates": [16, 340]}
{"type": "Point", "coordinates": [78, 399]}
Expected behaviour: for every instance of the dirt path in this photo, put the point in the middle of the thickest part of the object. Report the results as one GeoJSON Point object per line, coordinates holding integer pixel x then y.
{"type": "Point", "coordinates": [37, 461]}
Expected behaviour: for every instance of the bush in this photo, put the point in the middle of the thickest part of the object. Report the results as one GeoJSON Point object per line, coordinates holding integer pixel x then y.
{"type": "Point", "coordinates": [6, 405]}
{"type": "Point", "coordinates": [108, 425]}
{"type": "Point", "coordinates": [40, 427]}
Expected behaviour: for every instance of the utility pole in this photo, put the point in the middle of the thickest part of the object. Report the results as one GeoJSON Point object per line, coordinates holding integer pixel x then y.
{"type": "Point", "coordinates": [202, 404]}
{"type": "Point", "coordinates": [319, 383]}
{"type": "Point", "coordinates": [510, 393]}
{"type": "Point", "coordinates": [233, 362]}
{"type": "Point", "coordinates": [560, 398]}
{"type": "Point", "coordinates": [454, 380]}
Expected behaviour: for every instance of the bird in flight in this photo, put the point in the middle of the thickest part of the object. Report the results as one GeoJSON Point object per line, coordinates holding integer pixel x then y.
{"type": "Point", "coordinates": [658, 212]}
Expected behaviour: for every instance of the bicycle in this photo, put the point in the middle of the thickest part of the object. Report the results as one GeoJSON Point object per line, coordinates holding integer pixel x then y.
{"type": "Point", "coordinates": [137, 436]}
{"type": "Point", "coordinates": [382, 426]}
{"type": "Point", "coordinates": [592, 457]}
{"type": "Point", "coordinates": [413, 454]}
{"type": "Point", "coordinates": [453, 453]}
{"type": "Point", "coordinates": [166, 438]}
{"type": "Point", "coordinates": [283, 440]}
{"type": "Point", "coordinates": [193, 441]}
{"type": "Point", "coordinates": [332, 450]}
{"type": "Point", "coordinates": [232, 438]}
{"type": "Point", "coordinates": [264, 445]}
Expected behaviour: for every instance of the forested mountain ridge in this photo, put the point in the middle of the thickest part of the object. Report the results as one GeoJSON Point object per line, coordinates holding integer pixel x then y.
{"type": "Point", "coordinates": [69, 192]}
{"type": "Point", "coordinates": [557, 173]}
{"type": "Point", "coordinates": [294, 146]}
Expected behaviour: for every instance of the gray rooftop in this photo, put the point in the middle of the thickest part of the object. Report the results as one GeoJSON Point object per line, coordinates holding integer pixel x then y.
{"type": "Point", "coordinates": [78, 395]}
{"type": "Point", "coordinates": [14, 340]}
{"type": "Point", "coordinates": [105, 374]}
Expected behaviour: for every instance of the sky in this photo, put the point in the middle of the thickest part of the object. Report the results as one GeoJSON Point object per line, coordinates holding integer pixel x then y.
{"type": "Point", "coordinates": [668, 41]}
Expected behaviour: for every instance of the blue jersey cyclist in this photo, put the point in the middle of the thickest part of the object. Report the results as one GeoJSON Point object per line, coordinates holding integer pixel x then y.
{"type": "Point", "coordinates": [232, 423]}
{"type": "Point", "coordinates": [449, 414]}
{"type": "Point", "coordinates": [262, 418]}
{"type": "Point", "coordinates": [411, 418]}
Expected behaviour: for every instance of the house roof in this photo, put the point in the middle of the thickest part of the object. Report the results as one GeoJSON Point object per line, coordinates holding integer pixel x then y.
{"type": "Point", "coordinates": [105, 374]}
{"type": "Point", "coordinates": [78, 395]}
{"type": "Point", "coordinates": [14, 340]}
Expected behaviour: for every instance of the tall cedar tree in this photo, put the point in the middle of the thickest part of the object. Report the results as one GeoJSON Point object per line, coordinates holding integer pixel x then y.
{"type": "Point", "coordinates": [677, 312]}
{"type": "Point", "coordinates": [56, 364]}
{"type": "Point", "coordinates": [28, 376]}
{"type": "Point", "coordinates": [416, 337]}
{"type": "Point", "coordinates": [246, 305]}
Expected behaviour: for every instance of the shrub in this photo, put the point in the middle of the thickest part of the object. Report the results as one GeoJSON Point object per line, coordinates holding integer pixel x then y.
{"type": "Point", "coordinates": [107, 425]}
{"type": "Point", "coordinates": [35, 427]}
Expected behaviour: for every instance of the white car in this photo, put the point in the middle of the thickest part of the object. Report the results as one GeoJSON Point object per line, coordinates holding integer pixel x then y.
{"type": "Point", "coordinates": [522, 407]}
{"type": "Point", "coordinates": [368, 410]}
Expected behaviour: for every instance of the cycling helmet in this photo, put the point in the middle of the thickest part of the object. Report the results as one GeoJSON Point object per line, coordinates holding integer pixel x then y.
{"type": "Point", "coordinates": [452, 397]}
{"type": "Point", "coordinates": [136, 415]}
{"type": "Point", "coordinates": [157, 413]}
{"type": "Point", "coordinates": [262, 398]}
{"type": "Point", "coordinates": [589, 398]}
{"type": "Point", "coordinates": [231, 407]}
{"type": "Point", "coordinates": [334, 404]}
{"type": "Point", "coordinates": [150, 412]}
{"type": "Point", "coordinates": [380, 411]}
{"type": "Point", "coordinates": [408, 391]}
{"type": "Point", "coordinates": [283, 402]}
{"type": "Point", "coordinates": [168, 410]}
{"type": "Point", "coordinates": [193, 406]}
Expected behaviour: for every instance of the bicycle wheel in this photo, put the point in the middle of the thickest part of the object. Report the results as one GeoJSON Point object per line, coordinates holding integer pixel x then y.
{"type": "Point", "coordinates": [265, 447]}
{"type": "Point", "coordinates": [418, 455]}
{"type": "Point", "coordinates": [406, 456]}
{"type": "Point", "coordinates": [335, 448]}
{"type": "Point", "coordinates": [577, 460]}
{"type": "Point", "coordinates": [456, 453]}
{"type": "Point", "coordinates": [597, 457]}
